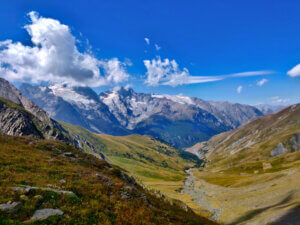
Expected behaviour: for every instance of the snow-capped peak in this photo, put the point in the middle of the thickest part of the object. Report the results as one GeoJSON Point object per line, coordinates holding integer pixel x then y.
{"type": "Point", "coordinates": [68, 94]}
{"type": "Point", "coordinates": [176, 98]}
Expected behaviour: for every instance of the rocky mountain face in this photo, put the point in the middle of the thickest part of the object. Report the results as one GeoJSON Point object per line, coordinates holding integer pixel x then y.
{"type": "Point", "coordinates": [179, 120]}
{"type": "Point", "coordinates": [21, 117]}
{"type": "Point", "coordinates": [275, 134]}
{"type": "Point", "coordinates": [268, 109]}
{"type": "Point", "coordinates": [78, 106]}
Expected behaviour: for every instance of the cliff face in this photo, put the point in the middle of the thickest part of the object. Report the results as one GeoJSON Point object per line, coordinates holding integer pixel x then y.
{"type": "Point", "coordinates": [21, 117]}
{"type": "Point", "coordinates": [15, 121]}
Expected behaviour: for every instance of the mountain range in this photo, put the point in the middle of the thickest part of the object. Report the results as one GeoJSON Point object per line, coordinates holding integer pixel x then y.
{"type": "Point", "coordinates": [236, 177]}
{"type": "Point", "coordinates": [179, 120]}
{"type": "Point", "coordinates": [47, 179]}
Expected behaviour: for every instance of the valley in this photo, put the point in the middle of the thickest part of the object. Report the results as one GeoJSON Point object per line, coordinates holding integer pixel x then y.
{"type": "Point", "coordinates": [255, 183]}
{"type": "Point", "coordinates": [243, 176]}
{"type": "Point", "coordinates": [149, 112]}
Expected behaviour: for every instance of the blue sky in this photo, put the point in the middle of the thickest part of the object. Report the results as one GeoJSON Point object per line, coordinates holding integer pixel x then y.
{"type": "Point", "coordinates": [208, 38]}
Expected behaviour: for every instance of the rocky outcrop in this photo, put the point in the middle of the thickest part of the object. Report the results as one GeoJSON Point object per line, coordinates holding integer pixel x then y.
{"type": "Point", "coordinates": [21, 117]}
{"type": "Point", "coordinates": [27, 189]}
{"type": "Point", "coordinates": [278, 150]}
{"type": "Point", "coordinates": [295, 142]}
{"type": "Point", "coordinates": [16, 121]}
{"type": "Point", "coordinates": [43, 214]}
{"type": "Point", "coordinates": [10, 207]}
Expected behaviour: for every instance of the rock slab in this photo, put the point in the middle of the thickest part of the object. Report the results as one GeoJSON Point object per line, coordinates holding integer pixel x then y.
{"type": "Point", "coordinates": [43, 214]}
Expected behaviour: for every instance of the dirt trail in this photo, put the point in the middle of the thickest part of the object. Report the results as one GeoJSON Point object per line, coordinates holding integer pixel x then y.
{"type": "Point", "coordinates": [200, 196]}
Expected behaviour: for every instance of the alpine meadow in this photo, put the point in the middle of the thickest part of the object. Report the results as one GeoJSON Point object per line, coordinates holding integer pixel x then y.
{"type": "Point", "coordinates": [149, 112]}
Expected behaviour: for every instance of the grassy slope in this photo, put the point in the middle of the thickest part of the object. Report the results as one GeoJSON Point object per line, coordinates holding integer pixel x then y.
{"type": "Point", "coordinates": [24, 161]}
{"type": "Point", "coordinates": [152, 163]}
{"type": "Point", "coordinates": [235, 179]}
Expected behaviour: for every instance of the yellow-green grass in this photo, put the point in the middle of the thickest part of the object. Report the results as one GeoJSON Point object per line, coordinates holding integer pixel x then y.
{"type": "Point", "coordinates": [145, 158]}
{"type": "Point", "coordinates": [245, 196]}
{"type": "Point", "coordinates": [41, 163]}
{"type": "Point", "coordinates": [150, 161]}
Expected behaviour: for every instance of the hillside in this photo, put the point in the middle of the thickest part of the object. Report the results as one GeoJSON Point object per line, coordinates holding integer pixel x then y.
{"type": "Point", "coordinates": [152, 163]}
{"type": "Point", "coordinates": [46, 177]}
{"type": "Point", "coordinates": [251, 173]}
{"type": "Point", "coordinates": [40, 176]}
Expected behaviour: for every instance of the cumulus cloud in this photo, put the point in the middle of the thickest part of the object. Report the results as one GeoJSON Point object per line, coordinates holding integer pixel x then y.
{"type": "Point", "coordinates": [295, 71]}
{"type": "Point", "coordinates": [261, 82]}
{"type": "Point", "coordinates": [239, 89]}
{"type": "Point", "coordinates": [167, 72]}
{"type": "Point", "coordinates": [53, 56]}
{"type": "Point", "coordinates": [157, 47]}
{"type": "Point", "coordinates": [164, 72]}
{"type": "Point", "coordinates": [147, 40]}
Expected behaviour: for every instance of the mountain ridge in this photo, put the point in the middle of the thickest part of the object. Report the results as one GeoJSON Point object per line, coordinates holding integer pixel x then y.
{"type": "Point", "coordinates": [20, 116]}
{"type": "Point", "coordinates": [181, 121]}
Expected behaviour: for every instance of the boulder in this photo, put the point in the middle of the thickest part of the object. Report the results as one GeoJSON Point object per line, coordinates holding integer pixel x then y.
{"type": "Point", "coordinates": [10, 207]}
{"type": "Point", "coordinates": [43, 214]}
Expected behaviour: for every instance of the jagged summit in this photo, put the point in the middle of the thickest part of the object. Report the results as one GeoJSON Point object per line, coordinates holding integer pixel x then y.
{"type": "Point", "coordinates": [179, 120]}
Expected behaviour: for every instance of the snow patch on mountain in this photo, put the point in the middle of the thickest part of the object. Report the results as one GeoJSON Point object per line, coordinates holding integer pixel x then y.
{"type": "Point", "coordinates": [176, 98]}
{"type": "Point", "coordinates": [68, 94]}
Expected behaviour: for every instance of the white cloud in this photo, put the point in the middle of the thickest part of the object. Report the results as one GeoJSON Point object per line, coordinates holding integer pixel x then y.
{"type": "Point", "coordinates": [239, 89]}
{"type": "Point", "coordinates": [278, 100]}
{"type": "Point", "coordinates": [167, 72]}
{"type": "Point", "coordinates": [147, 40]}
{"type": "Point", "coordinates": [115, 70]}
{"type": "Point", "coordinates": [164, 72]}
{"type": "Point", "coordinates": [157, 47]}
{"type": "Point", "coordinates": [54, 57]}
{"type": "Point", "coordinates": [295, 71]}
{"type": "Point", "coordinates": [261, 82]}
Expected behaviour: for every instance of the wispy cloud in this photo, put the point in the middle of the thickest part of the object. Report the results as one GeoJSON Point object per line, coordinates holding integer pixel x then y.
{"type": "Point", "coordinates": [239, 89]}
{"type": "Point", "coordinates": [261, 82]}
{"type": "Point", "coordinates": [54, 56]}
{"type": "Point", "coordinates": [167, 72]}
{"type": "Point", "coordinates": [295, 71]}
{"type": "Point", "coordinates": [157, 47]}
{"type": "Point", "coordinates": [278, 100]}
{"type": "Point", "coordinates": [147, 40]}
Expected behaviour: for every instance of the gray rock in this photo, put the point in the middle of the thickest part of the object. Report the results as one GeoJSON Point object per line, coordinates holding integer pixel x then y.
{"type": "Point", "coordinates": [62, 181]}
{"type": "Point", "coordinates": [43, 214]}
{"type": "Point", "coordinates": [24, 117]}
{"type": "Point", "coordinates": [70, 154]}
{"type": "Point", "coordinates": [278, 150]}
{"type": "Point", "coordinates": [105, 179]}
{"type": "Point", "coordinates": [125, 195]}
{"type": "Point", "coordinates": [10, 207]}
{"type": "Point", "coordinates": [295, 142]}
{"type": "Point", "coordinates": [29, 188]}
{"type": "Point", "coordinates": [127, 178]}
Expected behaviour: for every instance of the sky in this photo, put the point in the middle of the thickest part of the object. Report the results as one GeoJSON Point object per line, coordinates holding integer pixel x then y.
{"type": "Point", "coordinates": [238, 51]}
